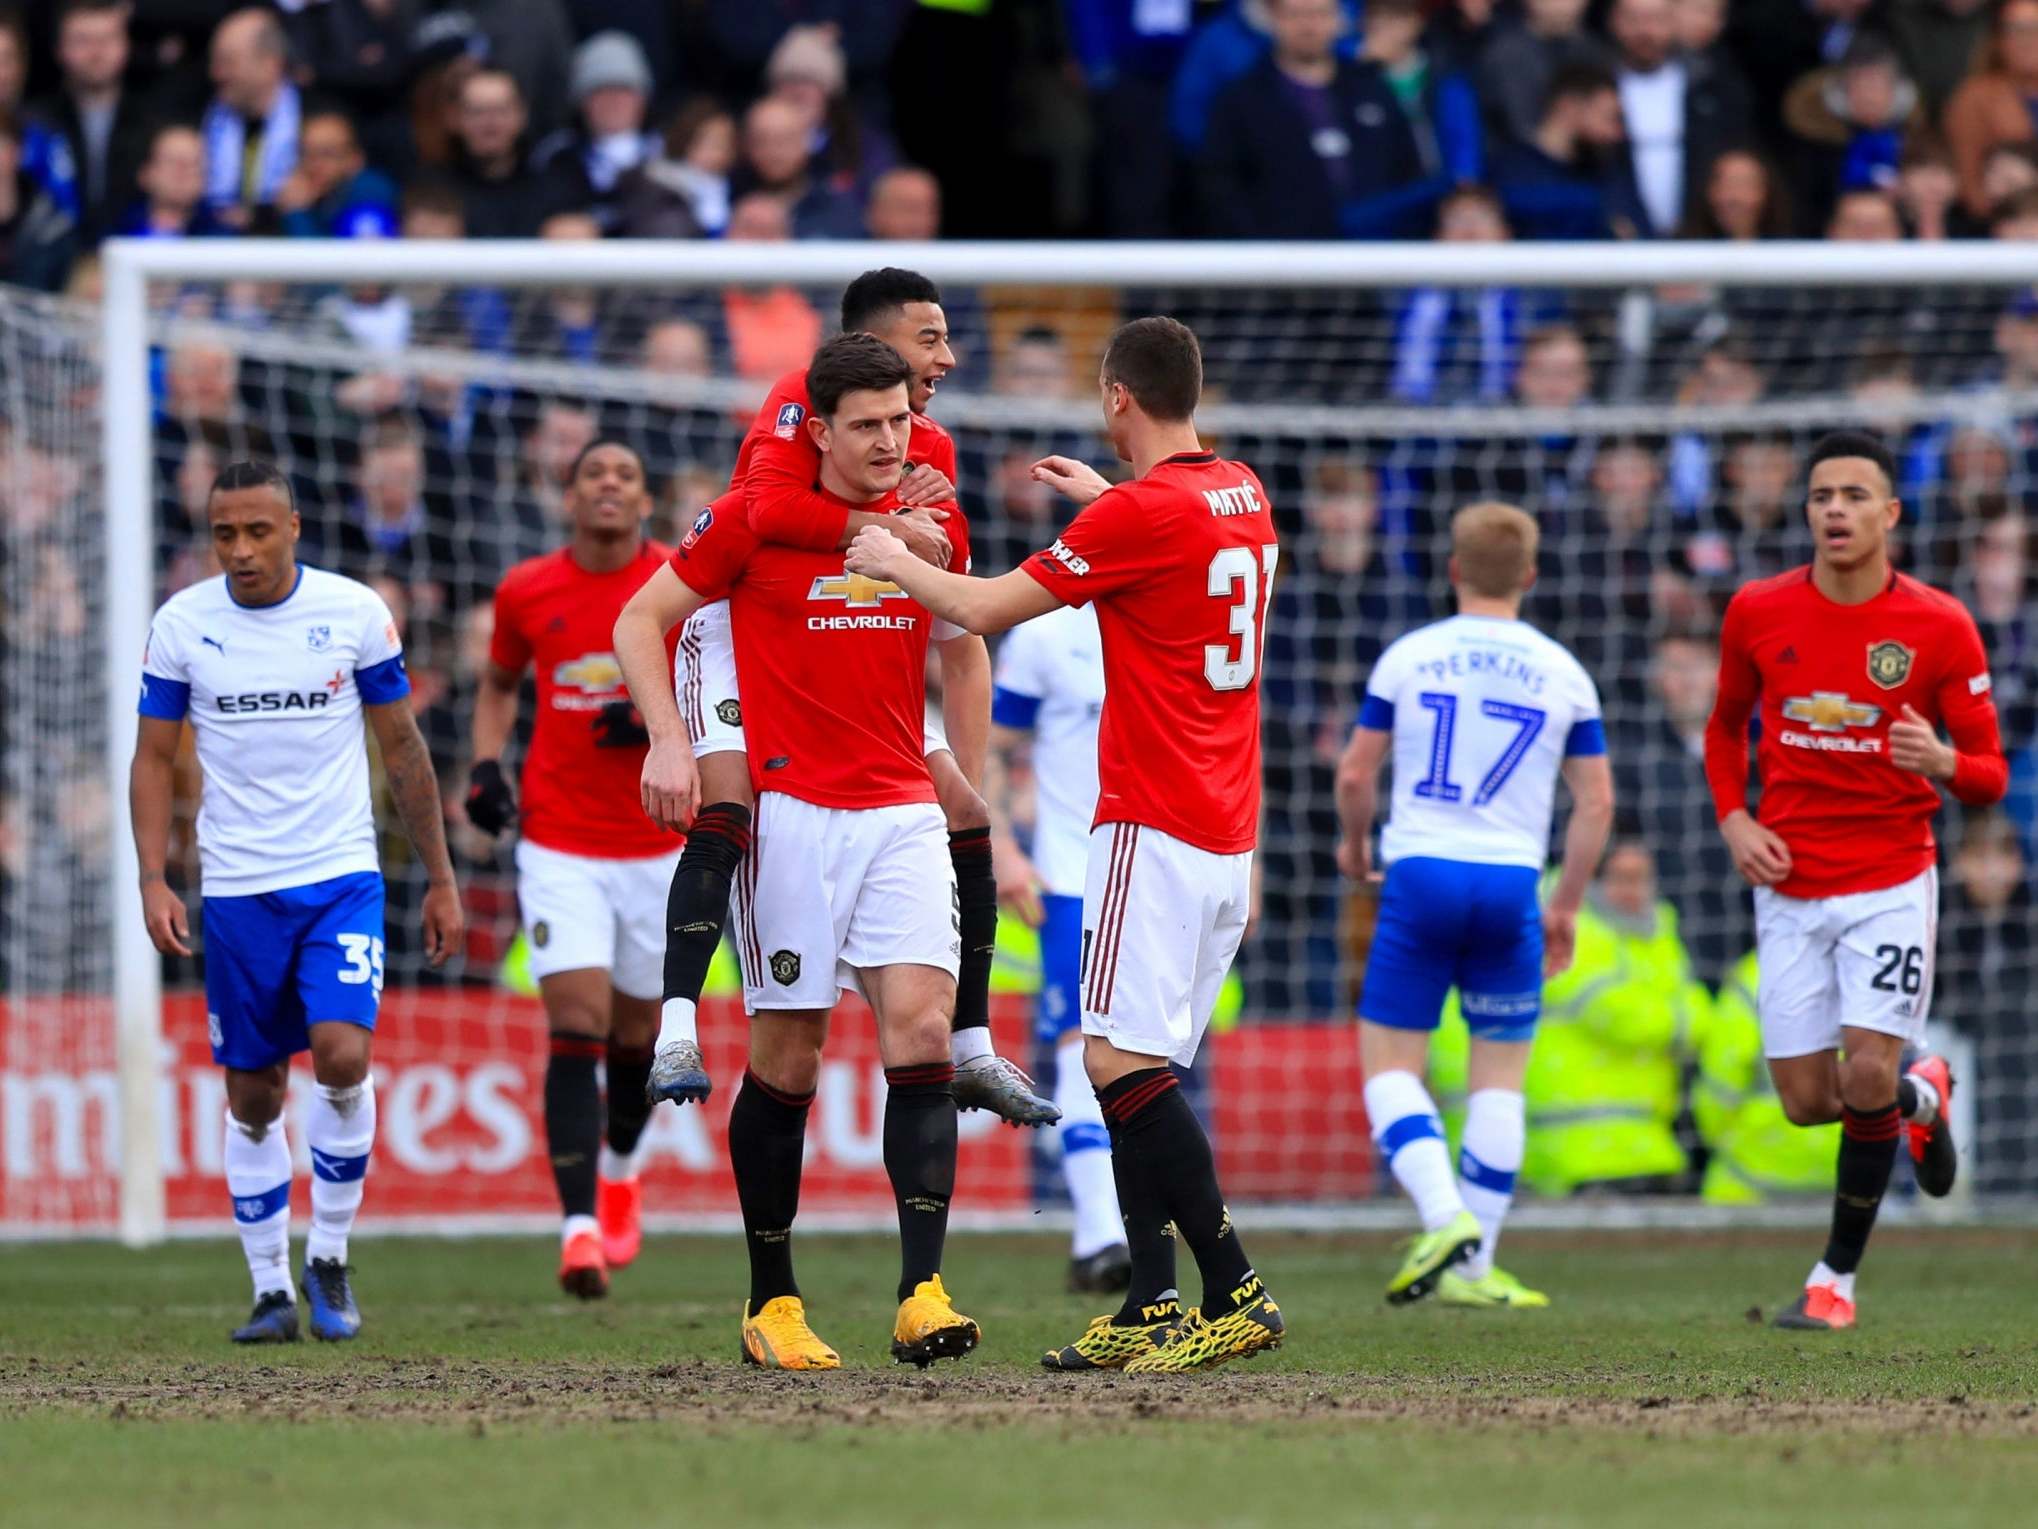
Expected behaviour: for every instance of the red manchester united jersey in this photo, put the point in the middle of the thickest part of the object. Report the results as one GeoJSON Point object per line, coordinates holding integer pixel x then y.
{"type": "Point", "coordinates": [832, 666]}
{"type": "Point", "coordinates": [1829, 680]}
{"type": "Point", "coordinates": [779, 464]}
{"type": "Point", "coordinates": [1180, 565]}
{"type": "Point", "coordinates": [579, 784]}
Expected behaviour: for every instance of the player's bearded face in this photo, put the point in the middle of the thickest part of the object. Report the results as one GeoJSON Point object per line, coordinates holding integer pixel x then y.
{"type": "Point", "coordinates": [1850, 510]}
{"type": "Point", "coordinates": [865, 441]}
{"type": "Point", "coordinates": [254, 534]}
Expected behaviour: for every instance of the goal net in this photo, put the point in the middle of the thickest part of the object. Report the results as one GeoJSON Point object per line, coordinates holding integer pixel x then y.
{"type": "Point", "coordinates": [1649, 406]}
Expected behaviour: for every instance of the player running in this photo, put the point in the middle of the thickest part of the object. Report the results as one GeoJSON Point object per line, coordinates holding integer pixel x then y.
{"type": "Point", "coordinates": [1050, 692]}
{"type": "Point", "coordinates": [1179, 564]}
{"type": "Point", "coordinates": [592, 871]}
{"type": "Point", "coordinates": [849, 883]}
{"type": "Point", "coordinates": [275, 665]}
{"type": "Point", "coordinates": [775, 478]}
{"type": "Point", "coordinates": [1481, 713]}
{"type": "Point", "coordinates": [1854, 667]}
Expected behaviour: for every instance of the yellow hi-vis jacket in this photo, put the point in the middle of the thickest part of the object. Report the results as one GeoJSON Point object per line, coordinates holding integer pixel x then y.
{"type": "Point", "coordinates": [1755, 1152]}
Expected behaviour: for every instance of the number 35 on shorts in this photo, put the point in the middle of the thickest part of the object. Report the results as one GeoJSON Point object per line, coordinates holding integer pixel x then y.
{"type": "Point", "coordinates": [362, 955]}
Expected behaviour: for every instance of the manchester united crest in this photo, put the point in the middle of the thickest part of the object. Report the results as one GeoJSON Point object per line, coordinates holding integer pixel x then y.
{"type": "Point", "coordinates": [1889, 663]}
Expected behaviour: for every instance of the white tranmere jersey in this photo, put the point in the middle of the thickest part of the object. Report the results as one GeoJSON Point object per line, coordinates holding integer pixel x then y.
{"type": "Point", "coordinates": [274, 694]}
{"type": "Point", "coordinates": [1050, 681]}
{"type": "Point", "coordinates": [1484, 711]}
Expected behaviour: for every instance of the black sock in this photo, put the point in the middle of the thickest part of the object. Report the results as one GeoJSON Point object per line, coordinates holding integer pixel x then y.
{"type": "Point", "coordinates": [1868, 1145]}
{"type": "Point", "coordinates": [1149, 1237]}
{"type": "Point", "coordinates": [629, 1070]}
{"type": "Point", "coordinates": [767, 1144]}
{"type": "Point", "coordinates": [573, 1119]}
{"type": "Point", "coordinates": [976, 893]}
{"type": "Point", "coordinates": [1160, 1133]}
{"type": "Point", "coordinates": [698, 903]}
{"type": "Point", "coordinates": [920, 1158]}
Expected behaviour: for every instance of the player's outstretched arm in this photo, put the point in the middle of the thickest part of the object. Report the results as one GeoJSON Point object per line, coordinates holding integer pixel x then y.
{"type": "Point", "coordinates": [414, 785]}
{"type": "Point", "coordinates": [1590, 778]}
{"type": "Point", "coordinates": [1358, 800]}
{"type": "Point", "coordinates": [966, 702]}
{"type": "Point", "coordinates": [151, 782]}
{"type": "Point", "coordinates": [491, 804]}
{"type": "Point", "coordinates": [1071, 479]}
{"type": "Point", "coordinates": [670, 786]}
{"type": "Point", "coordinates": [982, 606]}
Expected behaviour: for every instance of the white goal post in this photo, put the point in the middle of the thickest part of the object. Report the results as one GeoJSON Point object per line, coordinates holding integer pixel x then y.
{"type": "Point", "coordinates": [1268, 271]}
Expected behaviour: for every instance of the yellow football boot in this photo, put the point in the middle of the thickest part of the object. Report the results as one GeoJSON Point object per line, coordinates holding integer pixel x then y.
{"type": "Point", "coordinates": [778, 1338]}
{"type": "Point", "coordinates": [930, 1328]}
{"type": "Point", "coordinates": [1203, 1343]}
{"type": "Point", "coordinates": [1107, 1344]}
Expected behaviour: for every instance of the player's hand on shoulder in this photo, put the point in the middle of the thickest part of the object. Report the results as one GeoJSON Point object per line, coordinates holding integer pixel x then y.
{"type": "Point", "coordinates": [1914, 745]}
{"type": "Point", "coordinates": [921, 531]}
{"type": "Point", "coordinates": [491, 805]}
{"type": "Point", "coordinates": [1560, 941]}
{"type": "Point", "coordinates": [445, 922]}
{"type": "Point", "coordinates": [168, 923]}
{"type": "Point", "coordinates": [1762, 858]}
{"type": "Point", "coordinates": [924, 485]}
{"type": "Point", "coordinates": [875, 553]}
{"type": "Point", "coordinates": [670, 784]}
{"type": "Point", "coordinates": [1071, 479]}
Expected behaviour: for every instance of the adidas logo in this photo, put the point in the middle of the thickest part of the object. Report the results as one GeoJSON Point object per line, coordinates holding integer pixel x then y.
{"type": "Point", "coordinates": [1787, 656]}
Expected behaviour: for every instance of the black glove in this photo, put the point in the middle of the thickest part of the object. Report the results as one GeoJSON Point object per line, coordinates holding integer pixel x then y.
{"type": "Point", "coordinates": [618, 726]}
{"type": "Point", "coordinates": [491, 805]}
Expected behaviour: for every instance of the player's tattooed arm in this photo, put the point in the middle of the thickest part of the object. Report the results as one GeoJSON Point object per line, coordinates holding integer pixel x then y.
{"type": "Point", "coordinates": [414, 786]}
{"type": "Point", "coordinates": [150, 795]}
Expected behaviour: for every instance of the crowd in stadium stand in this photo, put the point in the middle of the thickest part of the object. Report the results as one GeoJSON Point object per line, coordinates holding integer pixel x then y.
{"type": "Point", "coordinates": [887, 120]}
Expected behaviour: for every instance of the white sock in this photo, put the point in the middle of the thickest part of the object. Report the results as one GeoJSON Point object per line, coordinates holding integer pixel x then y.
{"type": "Point", "coordinates": [258, 1178]}
{"type": "Point", "coordinates": [614, 1167]}
{"type": "Point", "coordinates": [1928, 1100]}
{"type": "Point", "coordinates": [1843, 1284]}
{"type": "Point", "coordinates": [968, 1045]}
{"type": "Point", "coordinates": [575, 1225]}
{"type": "Point", "coordinates": [1495, 1130]}
{"type": "Point", "coordinates": [1086, 1158]}
{"type": "Point", "coordinates": [1411, 1138]}
{"type": "Point", "coordinates": [339, 1127]}
{"type": "Point", "coordinates": [676, 1022]}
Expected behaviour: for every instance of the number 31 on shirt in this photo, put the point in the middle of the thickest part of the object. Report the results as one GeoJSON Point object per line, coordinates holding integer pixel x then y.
{"type": "Point", "coordinates": [1245, 581]}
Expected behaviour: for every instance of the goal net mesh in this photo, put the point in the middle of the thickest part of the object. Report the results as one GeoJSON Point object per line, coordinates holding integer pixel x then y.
{"type": "Point", "coordinates": [1657, 436]}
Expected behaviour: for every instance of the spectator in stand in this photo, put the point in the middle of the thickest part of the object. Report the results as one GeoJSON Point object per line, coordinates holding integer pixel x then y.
{"type": "Point", "coordinates": [570, 323]}
{"type": "Point", "coordinates": [1865, 215]}
{"type": "Point", "coordinates": [1225, 49]}
{"type": "Point", "coordinates": [172, 186]}
{"type": "Point", "coordinates": [1523, 55]}
{"type": "Point", "coordinates": [252, 126]}
{"type": "Point", "coordinates": [1724, 375]}
{"type": "Point", "coordinates": [1883, 388]}
{"type": "Point", "coordinates": [1928, 189]}
{"type": "Point", "coordinates": [584, 165]}
{"type": "Point", "coordinates": [13, 60]}
{"type": "Point", "coordinates": [102, 124]}
{"type": "Point", "coordinates": [1309, 145]}
{"type": "Point", "coordinates": [1989, 955]}
{"type": "Point", "coordinates": [502, 196]}
{"type": "Point", "coordinates": [771, 330]}
{"type": "Point", "coordinates": [1743, 201]}
{"type": "Point", "coordinates": [1994, 105]}
{"type": "Point", "coordinates": [1572, 179]}
{"type": "Point", "coordinates": [1778, 44]}
{"type": "Point", "coordinates": [1458, 345]}
{"type": "Point", "coordinates": [394, 525]}
{"type": "Point", "coordinates": [2015, 216]}
{"type": "Point", "coordinates": [37, 237]}
{"type": "Point", "coordinates": [1939, 41]}
{"type": "Point", "coordinates": [1754, 531]}
{"type": "Point", "coordinates": [333, 194]}
{"type": "Point", "coordinates": [1436, 98]}
{"type": "Point", "coordinates": [357, 56]}
{"type": "Point", "coordinates": [1129, 54]}
{"type": "Point", "coordinates": [2007, 169]}
{"type": "Point", "coordinates": [778, 160]}
{"type": "Point", "coordinates": [1849, 123]}
{"type": "Point", "coordinates": [446, 51]}
{"type": "Point", "coordinates": [1680, 111]}
{"type": "Point", "coordinates": [1606, 586]}
{"type": "Point", "coordinates": [533, 41]}
{"type": "Point", "coordinates": [848, 147]}
{"type": "Point", "coordinates": [905, 204]}
{"type": "Point", "coordinates": [684, 192]}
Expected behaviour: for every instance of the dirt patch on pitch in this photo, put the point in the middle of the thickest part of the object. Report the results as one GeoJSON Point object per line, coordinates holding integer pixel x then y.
{"type": "Point", "coordinates": [713, 1397]}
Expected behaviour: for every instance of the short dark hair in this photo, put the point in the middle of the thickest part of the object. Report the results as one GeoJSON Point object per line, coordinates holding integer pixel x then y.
{"type": "Point", "coordinates": [1579, 81]}
{"type": "Point", "coordinates": [326, 111]}
{"type": "Point", "coordinates": [876, 293]}
{"type": "Point", "coordinates": [1853, 443]}
{"type": "Point", "coordinates": [69, 8]}
{"type": "Point", "coordinates": [853, 363]}
{"type": "Point", "coordinates": [1157, 361]}
{"type": "Point", "coordinates": [433, 192]}
{"type": "Point", "coordinates": [248, 473]}
{"type": "Point", "coordinates": [596, 444]}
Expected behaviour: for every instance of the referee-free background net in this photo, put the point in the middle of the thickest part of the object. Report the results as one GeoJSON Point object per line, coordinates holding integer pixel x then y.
{"type": "Point", "coordinates": [1652, 416]}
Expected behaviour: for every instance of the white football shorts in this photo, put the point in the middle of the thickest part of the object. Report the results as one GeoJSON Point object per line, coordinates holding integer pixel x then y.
{"type": "Point", "coordinates": [1864, 959]}
{"type": "Point", "coordinates": [704, 680]}
{"type": "Point", "coordinates": [581, 912]}
{"type": "Point", "coordinates": [1161, 924]}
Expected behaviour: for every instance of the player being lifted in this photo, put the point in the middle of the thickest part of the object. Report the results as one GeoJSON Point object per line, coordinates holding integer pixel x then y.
{"type": "Point", "coordinates": [848, 883]}
{"type": "Point", "coordinates": [592, 871]}
{"type": "Point", "coordinates": [774, 481]}
{"type": "Point", "coordinates": [1853, 666]}
{"type": "Point", "coordinates": [275, 666]}
{"type": "Point", "coordinates": [1179, 563]}
{"type": "Point", "coordinates": [1050, 690]}
{"type": "Point", "coordinates": [1480, 713]}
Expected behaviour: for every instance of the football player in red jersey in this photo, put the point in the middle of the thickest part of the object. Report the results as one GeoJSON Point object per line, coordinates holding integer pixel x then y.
{"type": "Point", "coordinates": [1180, 564]}
{"type": "Point", "coordinates": [591, 869]}
{"type": "Point", "coordinates": [849, 882]}
{"type": "Point", "coordinates": [775, 476]}
{"type": "Point", "coordinates": [1854, 668]}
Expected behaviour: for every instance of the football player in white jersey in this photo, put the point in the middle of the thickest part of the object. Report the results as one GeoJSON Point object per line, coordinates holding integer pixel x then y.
{"type": "Point", "coordinates": [1049, 690]}
{"type": "Point", "coordinates": [276, 667]}
{"type": "Point", "coordinates": [1482, 713]}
